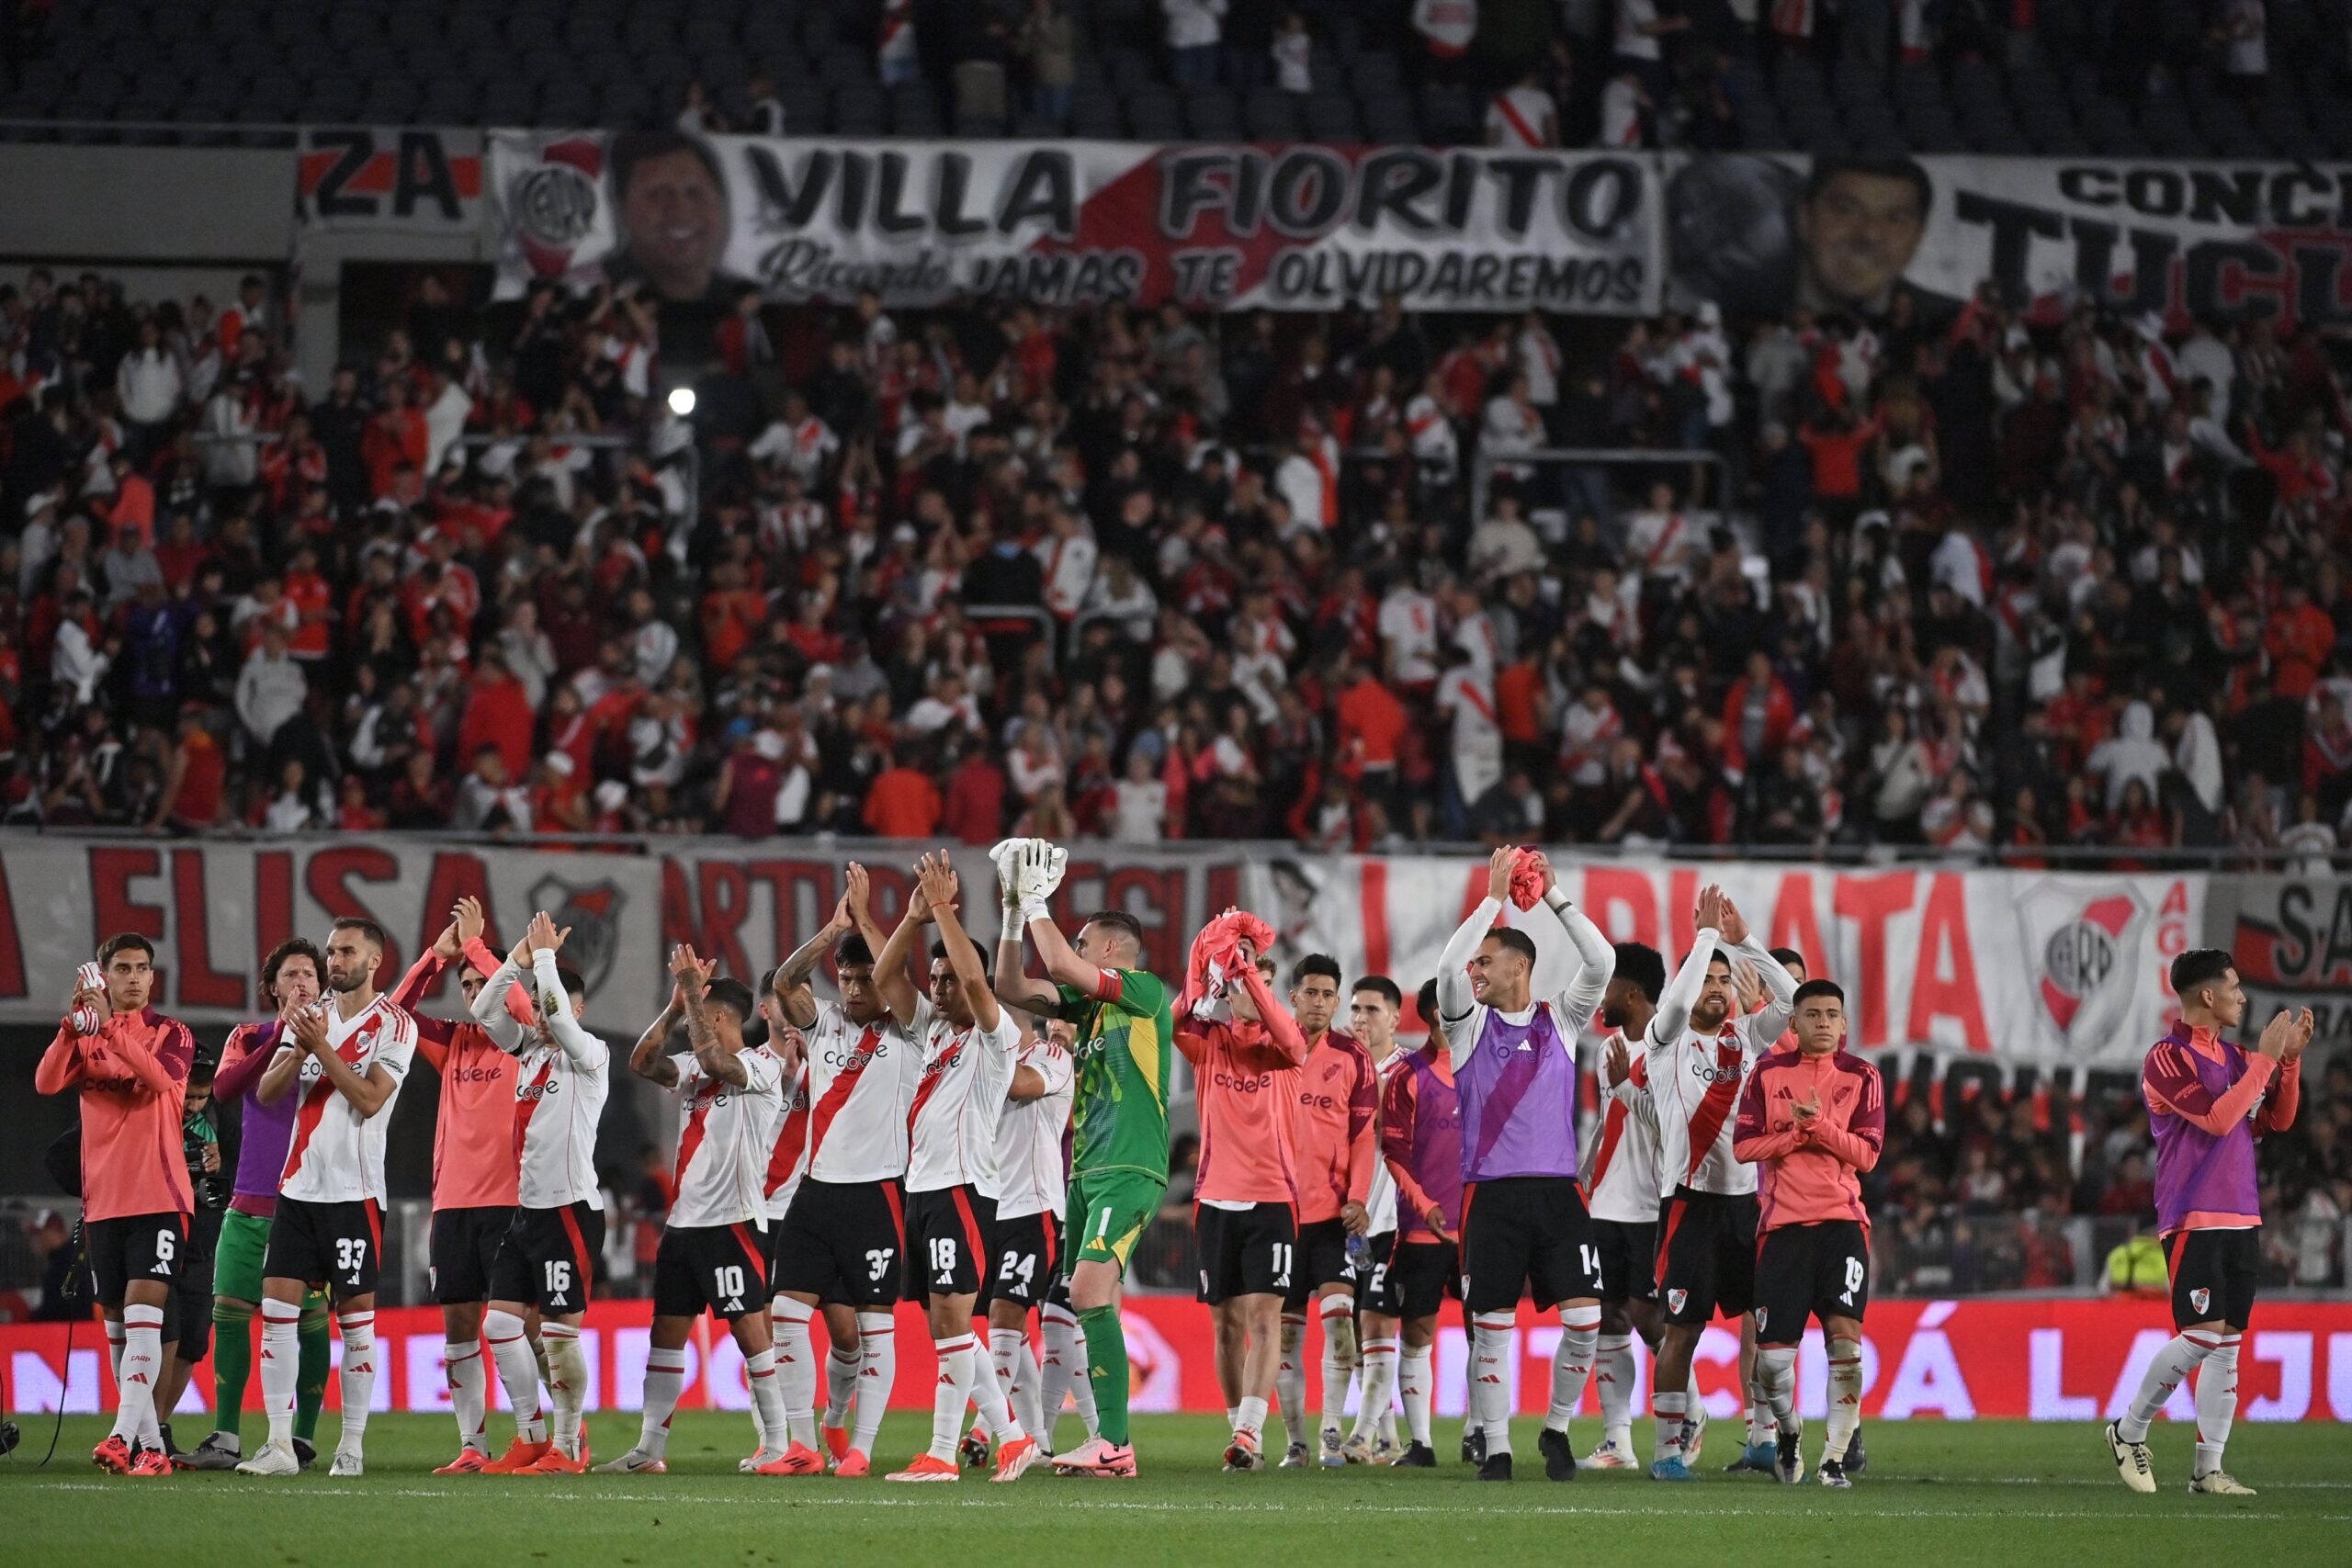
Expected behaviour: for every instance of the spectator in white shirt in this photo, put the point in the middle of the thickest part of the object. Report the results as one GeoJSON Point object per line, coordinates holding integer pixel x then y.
{"type": "Point", "coordinates": [1523, 117]}
{"type": "Point", "coordinates": [1294, 54]}
{"type": "Point", "coordinates": [271, 687]}
{"type": "Point", "coordinates": [1623, 106]}
{"type": "Point", "coordinates": [1139, 803]}
{"type": "Point", "coordinates": [148, 387]}
{"type": "Point", "coordinates": [1196, 27]}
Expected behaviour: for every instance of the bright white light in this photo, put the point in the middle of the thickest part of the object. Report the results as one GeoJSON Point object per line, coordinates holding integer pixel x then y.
{"type": "Point", "coordinates": [682, 401]}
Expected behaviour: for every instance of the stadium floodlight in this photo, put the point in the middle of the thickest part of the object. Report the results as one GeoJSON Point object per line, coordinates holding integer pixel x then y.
{"type": "Point", "coordinates": [681, 401]}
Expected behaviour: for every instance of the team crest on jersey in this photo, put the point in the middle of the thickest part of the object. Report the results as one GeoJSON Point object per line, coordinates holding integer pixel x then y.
{"type": "Point", "coordinates": [1761, 1314]}
{"type": "Point", "coordinates": [2086, 948]}
{"type": "Point", "coordinates": [593, 910]}
{"type": "Point", "coordinates": [1674, 1300]}
{"type": "Point", "coordinates": [2200, 1300]}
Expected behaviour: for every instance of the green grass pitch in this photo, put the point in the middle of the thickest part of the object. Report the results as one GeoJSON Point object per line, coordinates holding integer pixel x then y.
{"type": "Point", "coordinates": [2011, 1493]}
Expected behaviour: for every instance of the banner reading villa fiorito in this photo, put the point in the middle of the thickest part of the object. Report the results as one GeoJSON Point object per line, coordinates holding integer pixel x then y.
{"type": "Point", "coordinates": [1761, 232]}
{"type": "Point", "coordinates": [2007, 967]}
{"type": "Point", "coordinates": [1079, 222]}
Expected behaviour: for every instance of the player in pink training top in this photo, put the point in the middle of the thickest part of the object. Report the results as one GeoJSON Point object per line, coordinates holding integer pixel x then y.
{"type": "Point", "coordinates": [474, 1168]}
{"type": "Point", "coordinates": [2207, 1102]}
{"type": "Point", "coordinates": [1245, 1049]}
{"type": "Point", "coordinates": [131, 1075]}
{"type": "Point", "coordinates": [1334, 1144]}
{"type": "Point", "coordinates": [1813, 1116]}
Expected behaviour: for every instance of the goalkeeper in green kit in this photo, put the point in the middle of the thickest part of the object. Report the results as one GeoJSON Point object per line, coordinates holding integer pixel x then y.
{"type": "Point", "coordinates": [1118, 1166]}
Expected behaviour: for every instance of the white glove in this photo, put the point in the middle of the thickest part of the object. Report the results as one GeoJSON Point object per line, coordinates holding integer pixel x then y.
{"type": "Point", "coordinates": [1007, 859]}
{"type": "Point", "coordinates": [1055, 861]}
{"type": "Point", "coordinates": [1029, 868]}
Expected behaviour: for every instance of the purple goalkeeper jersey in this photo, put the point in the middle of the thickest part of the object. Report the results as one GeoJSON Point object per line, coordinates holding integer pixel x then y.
{"type": "Point", "coordinates": [1518, 1092]}
{"type": "Point", "coordinates": [265, 1132]}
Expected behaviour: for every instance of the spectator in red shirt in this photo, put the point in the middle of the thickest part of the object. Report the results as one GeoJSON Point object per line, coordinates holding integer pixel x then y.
{"type": "Point", "coordinates": [973, 813]}
{"type": "Point", "coordinates": [902, 803]}
{"type": "Point", "coordinates": [2299, 639]}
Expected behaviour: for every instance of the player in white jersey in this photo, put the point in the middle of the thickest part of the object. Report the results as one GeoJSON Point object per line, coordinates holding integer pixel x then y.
{"type": "Point", "coordinates": [1699, 1050]}
{"type": "Point", "coordinates": [1621, 1174]}
{"type": "Point", "coordinates": [1373, 1007]}
{"type": "Point", "coordinates": [562, 1075]}
{"type": "Point", "coordinates": [787, 1167]}
{"type": "Point", "coordinates": [1023, 1236]}
{"type": "Point", "coordinates": [844, 1236]}
{"type": "Point", "coordinates": [346, 1057]}
{"type": "Point", "coordinates": [714, 1248]}
{"type": "Point", "coordinates": [969, 1053]}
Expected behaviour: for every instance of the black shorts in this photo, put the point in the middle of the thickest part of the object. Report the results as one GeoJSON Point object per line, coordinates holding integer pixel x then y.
{"type": "Point", "coordinates": [1806, 1271]}
{"type": "Point", "coordinates": [724, 1268]}
{"type": "Point", "coordinates": [772, 1240]}
{"type": "Point", "coordinates": [547, 1258]}
{"type": "Point", "coordinates": [946, 1242]}
{"type": "Point", "coordinates": [2213, 1275]}
{"type": "Point", "coordinates": [1245, 1252]}
{"type": "Point", "coordinates": [1376, 1287]}
{"type": "Point", "coordinates": [1526, 1230]}
{"type": "Point", "coordinates": [1025, 1254]}
{"type": "Point", "coordinates": [1706, 1256]}
{"type": "Point", "coordinates": [843, 1241]}
{"type": "Point", "coordinates": [188, 1313]}
{"type": "Point", "coordinates": [134, 1248]}
{"type": "Point", "coordinates": [1322, 1259]}
{"type": "Point", "coordinates": [1422, 1275]}
{"type": "Point", "coordinates": [1628, 1258]}
{"type": "Point", "coordinates": [465, 1248]}
{"type": "Point", "coordinates": [339, 1246]}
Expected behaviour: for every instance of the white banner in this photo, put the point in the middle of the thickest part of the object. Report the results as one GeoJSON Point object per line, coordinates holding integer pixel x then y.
{"type": "Point", "coordinates": [1758, 233]}
{"type": "Point", "coordinates": [1297, 228]}
{"type": "Point", "coordinates": [2001, 966]}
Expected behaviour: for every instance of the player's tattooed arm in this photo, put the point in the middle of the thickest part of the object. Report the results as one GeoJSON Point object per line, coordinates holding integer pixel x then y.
{"type": "Point", "coordinates": [692, 975]}
{"type": "Point", "coordinates": [791, 981]}
{"type": "Point", "coordinates": [285, 1069]}
{"type": "Point", "coordinates": [368, 1095]}
{"type": "Point", "coordinates": [647, 1058]}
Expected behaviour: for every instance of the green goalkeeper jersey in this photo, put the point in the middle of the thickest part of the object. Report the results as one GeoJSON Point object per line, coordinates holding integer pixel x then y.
{"type": "Point", "coordinates": [1119, 1108]}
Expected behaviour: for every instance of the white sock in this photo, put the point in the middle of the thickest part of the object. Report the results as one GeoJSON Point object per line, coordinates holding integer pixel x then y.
{"type": "Point", "coordinates": [1572, 1363]}
{"type": "Point", "coordinates": [281, 1354]}
{"type": "Point", "coordinates": [1667, 1409]}
{"type": "Point", "coordinates": [1250, 1416]}
{"type": "Point", "coordinates": [1024, 1395]}
{"type": "Point", "coordinates": [1290, 1378]}
{"type": "Point", "coordinates": [666, 1378]}
{"type": "Point", "coordinates": [990, 1400]}
{"type": "Point", "coordinates": [1386, 1425]}
{"type": "Point", "coordinates": [358, 1331]}
{"type": "Point", "coordinates": [1064, 1372]}
{"type": "Point", "coordinates": [767, 1401]}
{"type": "Point", "coordinates": [796, 1364]}
{"type": "Point", "coordinates": [1414, 1366]}
{"type": "Point", "coordinates": [1491, 1341]}
{"type": "Point", "coordinates": [949, 1395]}
{"type": "Point", "coordinates": [2217, 1401]}
{"type": "Point", "coordinates": [1845, 1397]}
{"type": "Point", "coordinates": [841, 1382]}
{"type": "Point", "coordinates": [1776, 1375]}
{"type": "Point", "coordinates": [1339, 1318]}
{"type": "Point", "coordinates": [140, 1369]}
{"type": "Point", "coordinates": [518, 1369]}
{"type": "Point", "coordinates": [2173, 1363]}
{"type": "Point", "coordinates": [1015, 1376]}
{"type": "Point", "coordinates": [567, 1383]}
{"type": "Point", "coordinates": [1612, 1369]}
{"type": "Point", "coordinates": [468, 1392]}
{"type": "Point", "coordinates": [1379, 1386]}
{"type": "Point", "coordinates": [878, 1372]}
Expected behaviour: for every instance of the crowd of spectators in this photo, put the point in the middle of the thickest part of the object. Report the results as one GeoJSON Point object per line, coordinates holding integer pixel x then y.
{"type": "Point", "coordinates": [1997, 581]}
{"type": "Point", "coordinates": [2037, 1190]}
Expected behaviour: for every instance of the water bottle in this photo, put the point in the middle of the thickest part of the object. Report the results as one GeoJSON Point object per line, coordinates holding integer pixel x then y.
{"type": "Point", "coordinates": [1360, 1255]}
{"type": "Point", "coordinates": [86, 1019]}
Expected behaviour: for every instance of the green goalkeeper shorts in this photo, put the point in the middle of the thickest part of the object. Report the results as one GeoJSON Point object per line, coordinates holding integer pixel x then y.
{"type": "Point", "coordinates": [237, 1256]}
{"type": "Point", "coordinates": [1107, 1214]}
